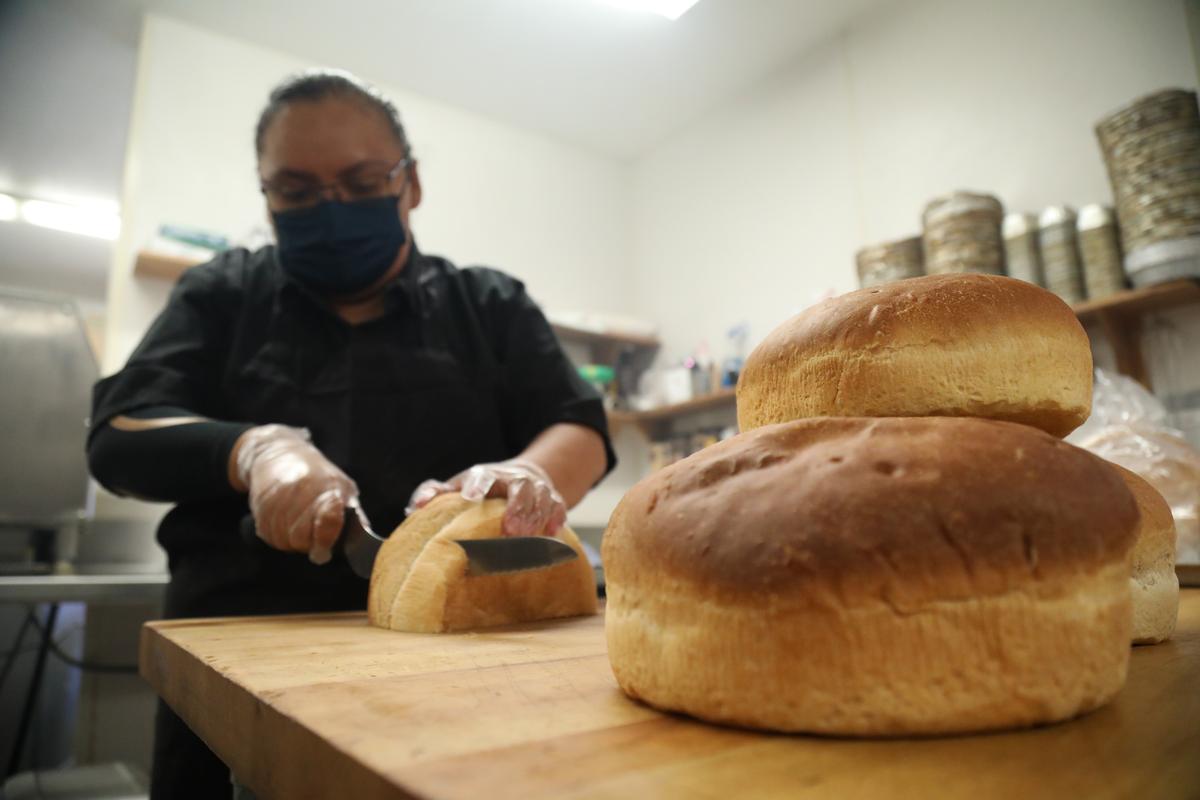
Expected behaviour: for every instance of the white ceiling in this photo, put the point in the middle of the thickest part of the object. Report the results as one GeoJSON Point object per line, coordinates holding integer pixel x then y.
{"type": "Point", "coordinates": [67, 87]}
{"type": "Point", "coordinates": [606, 78]}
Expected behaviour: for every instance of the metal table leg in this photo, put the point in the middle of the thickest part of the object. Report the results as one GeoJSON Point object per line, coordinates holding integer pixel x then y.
{"type": "Point", "coordinates": [14, 761]}
{"type": "Point", "coordinates": [240, 792]}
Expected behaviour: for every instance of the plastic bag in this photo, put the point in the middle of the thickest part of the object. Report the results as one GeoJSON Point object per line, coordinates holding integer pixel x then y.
{"type": "Point", "coordinates": [1128, 427]}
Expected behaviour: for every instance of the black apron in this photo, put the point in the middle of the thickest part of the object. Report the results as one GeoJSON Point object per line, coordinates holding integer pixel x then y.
{"type": "Point", "coordinates": [389, 415]}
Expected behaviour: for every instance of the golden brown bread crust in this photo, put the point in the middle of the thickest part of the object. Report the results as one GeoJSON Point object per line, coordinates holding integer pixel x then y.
{"type": "Point", "coordinates": [874, 576]}
{"type": "Point", "coordinates": [841, 508]}
{"type": "Point", "coordinates": [1152, 582]}
{"type": "Point", "coordinates": [1003, 661]}
{"type": "Point", "coordinates": [419, 582]}
{"type": "Point", "coordinates": [939, 345]}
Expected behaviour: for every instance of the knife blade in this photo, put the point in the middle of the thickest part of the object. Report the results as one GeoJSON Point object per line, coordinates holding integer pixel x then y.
{"type": "Point", "coordinates": [358, 542]}
{"type": "Point", "coordinates": [514, 554]}
{"type": "Point", "coordinates": [495, 556]}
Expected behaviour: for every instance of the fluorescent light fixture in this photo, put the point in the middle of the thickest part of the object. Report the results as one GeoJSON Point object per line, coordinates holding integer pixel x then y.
{"type": "Point", "coordinates": [8, 207]}
{"type": "Point", "coordinates": [671, 9]}
{"type": "Point", "coordinates": [101, 223]}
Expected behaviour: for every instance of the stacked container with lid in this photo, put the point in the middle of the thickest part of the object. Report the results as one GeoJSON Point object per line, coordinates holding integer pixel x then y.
{"type": "Point", "coordinates": [1100, 252]}
{"type": "Point", "coordinates": [1060, 255]}
{"type": "Point", "coordinates": [889, 261]}
{"type": "Point", "coordinates": [962, 234]}
{"type": "Point", "coordinates": [1152, 151]}
{"type": "Point", "coordinates": [1021, 253]}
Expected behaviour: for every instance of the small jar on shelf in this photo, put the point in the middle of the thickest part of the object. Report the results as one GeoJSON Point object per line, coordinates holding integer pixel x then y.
{"type": "Point", "coordinates": [1100, 251]}
{"type": "Point", "coordinates": [600, 376]}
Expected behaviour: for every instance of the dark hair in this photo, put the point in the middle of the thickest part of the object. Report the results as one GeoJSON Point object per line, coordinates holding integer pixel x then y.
{"type": "Point", "coordinates": [313, 85]}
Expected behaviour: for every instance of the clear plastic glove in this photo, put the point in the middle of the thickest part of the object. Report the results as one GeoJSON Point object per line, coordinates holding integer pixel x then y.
{"type": "Point", "coordinates": [297, 496]}
{"type": "Point", "coordinates": [534, 506]}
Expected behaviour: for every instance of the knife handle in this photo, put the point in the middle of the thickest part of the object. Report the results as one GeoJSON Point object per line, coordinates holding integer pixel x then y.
{"type": "Point", "coordinates": [249, 532]}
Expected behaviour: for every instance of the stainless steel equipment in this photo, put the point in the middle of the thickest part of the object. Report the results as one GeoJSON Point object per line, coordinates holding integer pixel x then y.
{"type": "Point", "coordinates": [47, 369]}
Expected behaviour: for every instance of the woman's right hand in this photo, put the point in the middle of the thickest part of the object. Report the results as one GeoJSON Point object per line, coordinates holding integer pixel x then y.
{"type": "Point", "coordinates": [297, 496]}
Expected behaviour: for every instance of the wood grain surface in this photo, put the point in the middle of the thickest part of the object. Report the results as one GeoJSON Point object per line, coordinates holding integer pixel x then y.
{"type": "Point", "coordinates": [326, 706]}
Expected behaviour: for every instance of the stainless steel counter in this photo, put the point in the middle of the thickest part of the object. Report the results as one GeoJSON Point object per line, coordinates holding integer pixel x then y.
{"type": "Point", "coordinates": [114, 589]}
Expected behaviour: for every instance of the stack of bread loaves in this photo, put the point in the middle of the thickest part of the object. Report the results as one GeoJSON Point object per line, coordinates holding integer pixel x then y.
{"type": "Point", "coordinates": [897, 542]}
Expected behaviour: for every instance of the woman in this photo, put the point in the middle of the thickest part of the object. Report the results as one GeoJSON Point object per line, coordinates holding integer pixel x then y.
{"type": "Point", "coordinates": [341, 368]}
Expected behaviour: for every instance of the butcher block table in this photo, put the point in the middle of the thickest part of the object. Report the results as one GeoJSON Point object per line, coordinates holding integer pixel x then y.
{"type": "Point", "coordinates": [327, 706]}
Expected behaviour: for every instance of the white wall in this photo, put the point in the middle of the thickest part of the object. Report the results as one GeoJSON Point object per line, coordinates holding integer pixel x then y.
{"type": "Point", "coordinates": [553, 215]}
{"type": "Point", "coordinates": [1192, 9]}
{"type": "Point", "coordinates": [756, 210]}
{"type": "Point", "coordinates": [751, 212]}
{"type": "Point", "coordinates": [745, 213]}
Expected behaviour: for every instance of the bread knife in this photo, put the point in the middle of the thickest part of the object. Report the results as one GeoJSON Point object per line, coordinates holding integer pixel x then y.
{"type": "Point", "coordinates": [514, 554]}
{"type": "Point", "coordinates": [484, 556]}
{"type": "Point", "coordinates": [358, 542]}
{"type": "Point", "coordinates": [494, 556]}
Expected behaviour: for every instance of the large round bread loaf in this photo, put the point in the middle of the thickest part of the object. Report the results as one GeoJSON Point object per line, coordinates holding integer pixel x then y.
{"type": "Point", "coordinates": [1152, 582]}
{"type": "Point", "coordinates": [874, 577]}
{"type": "Point", "coordinates": [941, 345]}
{"type": "Point", "coordinates": [420, 582]}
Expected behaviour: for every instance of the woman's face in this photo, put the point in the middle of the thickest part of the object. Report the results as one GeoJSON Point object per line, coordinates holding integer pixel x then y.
{"type": "Point", "coordinates": [340, 144]}
{"type": "Point", "coordinates": [327, 142]}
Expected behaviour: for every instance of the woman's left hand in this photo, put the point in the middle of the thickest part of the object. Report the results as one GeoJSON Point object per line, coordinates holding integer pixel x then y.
{"type": "Point", "coordinates": [535, 508]}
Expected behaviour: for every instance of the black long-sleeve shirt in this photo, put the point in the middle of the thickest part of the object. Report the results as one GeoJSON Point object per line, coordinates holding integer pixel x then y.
{"type": "Point", "coordinates": [462, 368]}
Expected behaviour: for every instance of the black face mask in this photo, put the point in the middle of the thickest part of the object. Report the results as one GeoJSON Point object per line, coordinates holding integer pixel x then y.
{"type": "Point", "coordinates": [337, 248]}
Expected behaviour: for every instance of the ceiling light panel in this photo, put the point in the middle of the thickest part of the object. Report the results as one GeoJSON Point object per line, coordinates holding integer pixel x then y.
{"type": "Point", "coordinates": [671, 9]}
{"type": "Point", "coordinates": [97, 222]}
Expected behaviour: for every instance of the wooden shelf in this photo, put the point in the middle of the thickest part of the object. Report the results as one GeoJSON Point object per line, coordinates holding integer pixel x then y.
{"type": "Point", "coordinates": [649, 419]}
{"type": "Point", "coordinates": [163, 266]}
{"type": "Point", "coordinates": [1162, 297]}
{"type": "Point", "coordinates": [1120, 315]}
{"type": "Point", "coordinates": [584, 336]}
{"type": "Point", "coordinates": [167, 266]}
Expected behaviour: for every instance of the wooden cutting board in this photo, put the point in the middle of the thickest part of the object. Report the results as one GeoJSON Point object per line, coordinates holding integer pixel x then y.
{"type": "Point", "coordinates": [326, 706]}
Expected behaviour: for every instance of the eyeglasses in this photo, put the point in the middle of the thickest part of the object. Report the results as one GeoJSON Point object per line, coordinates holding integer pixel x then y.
{"type": "Point", "coordinates": [364, 183]}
